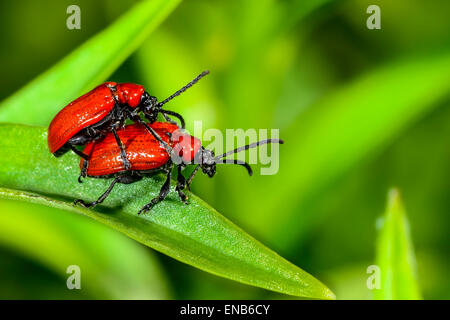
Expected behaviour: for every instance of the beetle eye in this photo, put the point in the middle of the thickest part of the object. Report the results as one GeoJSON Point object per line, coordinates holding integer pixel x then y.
{"type": "Point", "coordinates": [148, 101]}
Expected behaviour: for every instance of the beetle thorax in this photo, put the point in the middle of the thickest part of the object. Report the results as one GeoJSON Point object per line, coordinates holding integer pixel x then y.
{"type": "Point", "coordinates": [129, 94]}
{"type": "Point", "coordinates": [150, 107]}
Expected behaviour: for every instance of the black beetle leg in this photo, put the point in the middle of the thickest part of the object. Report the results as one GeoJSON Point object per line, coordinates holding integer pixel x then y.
{"type": "Point", "coordinates": [153, 132]}
{"type": "Point", "coordinates": [83, 171]}
{"type": "Point", "coordinates": [162, 195]}
{"type": "Point", "coordinates": [79, 153]}
{"type": "Point", "coordinates": [181, 184]}
{"type": "Point", "coordinates": [191, 177]}
{"type": "Point", "coordinates": [100, 199]}
{"type": "Point", "coordinates": [123, 154]}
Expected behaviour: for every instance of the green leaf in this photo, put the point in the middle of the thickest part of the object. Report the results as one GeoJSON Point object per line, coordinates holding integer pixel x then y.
{"type": "Point", "coordinates": [85, 67]}
{"type": "Point", "coordinates": [112, 266]}
{"type": "Point", "coordinates": [395, 254]}
{"type": "Point", "coordinates": [195, 234]}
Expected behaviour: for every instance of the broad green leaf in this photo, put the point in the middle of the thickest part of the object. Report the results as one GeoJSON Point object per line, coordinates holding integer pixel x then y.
{"type": "Point", "coordinates": [85, 67]}
{"type": "Point", "coordinates": [111, 265]}
{"type": "Point", "coordinates": [395, 254]}
{"type": "Point", "coordinates": [195, 234]}
{"type": "Point", "coordinates": [347, 126]}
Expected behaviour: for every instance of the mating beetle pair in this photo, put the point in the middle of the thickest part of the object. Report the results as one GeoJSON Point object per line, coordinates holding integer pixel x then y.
{"type": "Point", "coordinates": [147, 157]}
{"type": "Point", "coordinates": [127, 153]}
{"type": "Point", "coordinates": [105, 109]}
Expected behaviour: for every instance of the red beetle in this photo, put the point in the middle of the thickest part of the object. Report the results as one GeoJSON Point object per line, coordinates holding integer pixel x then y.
{"type": "Point", "coordinates": [147, 157]}
{"type": "Point", "coordinates": [105, 109]}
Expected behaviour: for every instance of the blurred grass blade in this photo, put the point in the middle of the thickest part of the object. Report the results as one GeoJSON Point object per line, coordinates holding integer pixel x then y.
{"type": "Point", "coordinates": [112, 266]}
{"type": "Point", "coordinates": [174, 54]}
{"type": "Point", "coordinates": [347, 126]}
{"type": "Point", "coordinates": [194, 234]}
{"type": "Point", "coordinates": [395, 254]}
{"type": "Point", "coordinates": [85, 67]}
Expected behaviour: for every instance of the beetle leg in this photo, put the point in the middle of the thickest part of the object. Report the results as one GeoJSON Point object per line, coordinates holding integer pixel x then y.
{"type": "Point", "coordinates": [79, 153]}
{"type": "Point", "coordinates": [100, 199]}
{"type": "Point", "coordinates": [191, 177]}
{"type": "Point", "coordinates": [162, 195]}
{"type": "Point", "coordinates": [181, 184]}
{"type": "Point", "coordinates": [83, 171]}
{"type": "Point", "coordinates": [91, 132]}
{"type": "Point", "coordinates": [153, 132]}
{"type": "Point", "coordinates": [123, 154]}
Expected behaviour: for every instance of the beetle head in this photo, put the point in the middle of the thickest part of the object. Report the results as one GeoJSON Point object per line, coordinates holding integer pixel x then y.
{"type": "Point", "coordinates": [207, 161]}
{"type": "Point", "coordinates": [150, 107]}
{"type": "Point", "coordinates": [189, 150]}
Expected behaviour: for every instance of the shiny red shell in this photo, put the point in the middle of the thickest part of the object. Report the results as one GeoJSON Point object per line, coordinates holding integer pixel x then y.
{"type": "Point", "coordinates": [89, 109]}
{"type": "Point", "coordinates": [143, 151]}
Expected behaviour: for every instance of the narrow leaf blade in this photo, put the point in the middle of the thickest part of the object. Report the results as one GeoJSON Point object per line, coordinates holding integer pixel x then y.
{"type": "Point", "coordinates": [395, 254]}
{"type": "Point", "coordinates": [85, 67]}
{"type": "Point", "coordinates": [349, 125]}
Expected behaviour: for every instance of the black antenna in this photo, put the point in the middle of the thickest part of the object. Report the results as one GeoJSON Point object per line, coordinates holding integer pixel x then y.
{"type": "Point", "coordinates": [241, 163]}
{"type": "Point", "coordinates": [175, 114]}
{"type": "Point", "coordinates": [190, 84]}
{"type": "Point", "coordinates": [249, 146]}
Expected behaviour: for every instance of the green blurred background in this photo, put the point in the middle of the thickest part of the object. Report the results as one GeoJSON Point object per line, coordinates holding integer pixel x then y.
{"type": "Point", "coordinates": [274, 64]}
